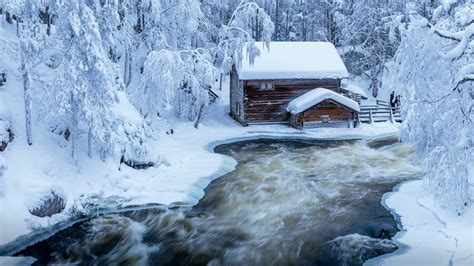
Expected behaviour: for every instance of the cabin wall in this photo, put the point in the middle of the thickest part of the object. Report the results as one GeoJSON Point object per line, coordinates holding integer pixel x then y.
{"type": "Point", "coordinates": [270, 105]}
{"type": "Point", "coordinates": [237, 110]}
{"type": "Point", "coordinates": [338, 114]}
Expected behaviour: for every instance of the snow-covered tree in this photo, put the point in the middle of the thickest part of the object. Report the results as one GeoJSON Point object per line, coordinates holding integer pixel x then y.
{"type": "Point", "coordinates": [366, 37]}
{"type": "Point", "coordinates": [86, 85]}
{"type": "Point", "coordinates": [434, 72]}
{"type": "Point", "coordinates": [248, 23]}
{"type": "Point", "coordinates": [175, 84]}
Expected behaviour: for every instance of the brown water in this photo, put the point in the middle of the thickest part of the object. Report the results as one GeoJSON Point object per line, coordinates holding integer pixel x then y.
{"type": "Point", "coordinates": [287, 203]}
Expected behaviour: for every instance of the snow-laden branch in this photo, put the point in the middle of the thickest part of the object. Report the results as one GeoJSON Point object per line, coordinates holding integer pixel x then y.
{"type": "Point", "coordinates": [463, 37]}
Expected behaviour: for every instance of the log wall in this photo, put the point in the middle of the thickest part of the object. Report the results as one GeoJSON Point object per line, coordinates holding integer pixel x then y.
{"type": "Point", "coordinates": [237, 110]}
{"type": "Point", "coordinates": [270, 105]}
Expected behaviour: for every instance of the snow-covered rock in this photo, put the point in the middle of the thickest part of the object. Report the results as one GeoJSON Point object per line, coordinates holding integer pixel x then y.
{"type": "Point", "coordinates": [51, 203]}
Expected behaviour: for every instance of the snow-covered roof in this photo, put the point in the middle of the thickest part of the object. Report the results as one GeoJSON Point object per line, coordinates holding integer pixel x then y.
{"type": "Point", "coordinates": [345, 85]}
{"type": "Point", "coordinates": [316, 96]}
{"type": "Point", "coordinates": [294, 60]}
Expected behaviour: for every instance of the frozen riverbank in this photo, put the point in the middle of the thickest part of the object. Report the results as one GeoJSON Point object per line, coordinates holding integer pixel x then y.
{"type": "Point", "coordinates": [430, 235]}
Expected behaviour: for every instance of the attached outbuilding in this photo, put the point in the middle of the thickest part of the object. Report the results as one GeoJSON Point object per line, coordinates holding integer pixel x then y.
{"type": "Point", "coordinates": [260, 93]}
{"type": "Point", "coordinates": [322, 107]}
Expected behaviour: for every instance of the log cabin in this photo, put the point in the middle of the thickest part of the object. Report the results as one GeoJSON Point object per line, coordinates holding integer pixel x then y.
{"type": "Point", "coordinates": [260, 92]}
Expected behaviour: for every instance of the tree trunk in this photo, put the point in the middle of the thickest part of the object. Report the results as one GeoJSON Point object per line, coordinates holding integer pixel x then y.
{"type": "Point", "coordinates": [130, 67]}
{"type": "Point", "coordinates": [125, 67]}
{"type": "Point", "coordinates": [220, 81]}
{"type": "Point", "coordinates": [48, 18]}
{"type": "Point", "coordinates": [89, 143]}
{"type": "Point", "coordinates": [277, 19]}
{"type": "Point", "coordinates": [373, 76]}
{"type": "Point", "coordinates": [74, 125]}
{"type": "Point", "coordinates": [27, 98]}
{"type": "Point", "coordinates": [257, 30]}
{"type": "Point", "coordinates": [199, 116]}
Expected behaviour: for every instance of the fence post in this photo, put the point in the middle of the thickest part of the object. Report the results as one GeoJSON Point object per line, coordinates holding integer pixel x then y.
{"type": "Point", "coordinates": [391, 116]}
{"type": "Point", "coordinates": [371, 120]}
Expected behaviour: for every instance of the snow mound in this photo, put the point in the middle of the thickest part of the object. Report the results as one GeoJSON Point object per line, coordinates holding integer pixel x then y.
{"type": "Point", "coordinates": [316, 96]}
{"type": "Point", "coordinates": [294, 60]}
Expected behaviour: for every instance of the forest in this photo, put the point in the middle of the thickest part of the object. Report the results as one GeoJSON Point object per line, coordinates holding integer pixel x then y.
{"type": "Point", "coordinates": [112, 77]}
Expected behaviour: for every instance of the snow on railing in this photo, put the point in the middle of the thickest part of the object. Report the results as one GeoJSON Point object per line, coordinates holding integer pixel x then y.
{"type": "Point", "coordinates": [379, 113]}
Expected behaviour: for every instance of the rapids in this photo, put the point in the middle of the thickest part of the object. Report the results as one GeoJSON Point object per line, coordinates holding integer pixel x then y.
{"type": "Point", "coordinates": [288, 202]}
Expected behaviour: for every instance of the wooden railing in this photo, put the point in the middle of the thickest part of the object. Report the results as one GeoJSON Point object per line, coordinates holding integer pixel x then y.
{"type": "Point", "coordinates": [383, 103]}
{"type": "Point", "coordinates": [352, 96]}
{"type": "Point", "coordinates": [212, 96]}
{"type": "Point", "coordinates": [378, 113]}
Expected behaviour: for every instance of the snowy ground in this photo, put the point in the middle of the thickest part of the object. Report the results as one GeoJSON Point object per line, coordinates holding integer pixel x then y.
{"type": "Point", "coordinates": [431, 235]}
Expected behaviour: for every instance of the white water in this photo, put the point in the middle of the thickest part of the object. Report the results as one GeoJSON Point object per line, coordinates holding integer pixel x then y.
{"type": "Point", "coordinates": [286, 203]}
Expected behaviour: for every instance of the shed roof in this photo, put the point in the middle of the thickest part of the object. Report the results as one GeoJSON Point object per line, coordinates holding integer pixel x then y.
{"type": "Point", "coordinates": [294, 60]}
{"type": "Point", "coordinates": [317, 96]}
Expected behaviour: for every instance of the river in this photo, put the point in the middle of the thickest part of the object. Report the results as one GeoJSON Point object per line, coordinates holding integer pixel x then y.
{"type": "Point", "coordinates": [288, 202]}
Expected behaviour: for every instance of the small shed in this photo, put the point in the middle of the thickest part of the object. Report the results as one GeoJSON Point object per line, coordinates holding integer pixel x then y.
{"type": "Point", "coordinates": [260, 92]}
{"type": "Point", "coordinates": [322, 107]}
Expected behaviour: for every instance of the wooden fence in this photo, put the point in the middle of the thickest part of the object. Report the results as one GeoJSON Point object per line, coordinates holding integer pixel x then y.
{"type": "Point", "coordinates": [379, 112]}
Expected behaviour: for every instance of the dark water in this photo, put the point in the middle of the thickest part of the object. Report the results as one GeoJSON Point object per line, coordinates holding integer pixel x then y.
{"type": "Point", "coordinates": [287, 203]}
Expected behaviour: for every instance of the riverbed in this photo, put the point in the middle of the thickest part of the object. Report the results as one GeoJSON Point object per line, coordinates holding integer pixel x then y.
{"type": "Point", "coordinates": [287, 202]}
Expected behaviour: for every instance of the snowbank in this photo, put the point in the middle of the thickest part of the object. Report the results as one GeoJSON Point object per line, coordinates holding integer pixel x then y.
{"type": "Point", "coordinates": [430, 235]}
{"type": "Point", "coordinates": [294, 60]}
{"type": "Point", "coordinates": [316, 96]}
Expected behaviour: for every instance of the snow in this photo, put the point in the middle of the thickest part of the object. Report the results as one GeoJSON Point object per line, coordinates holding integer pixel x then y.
{"type": "Point", "coordinates": [294, 60]}
{"type": "Point", "coordinates": [124, 109]}
{"type": "Point", "coordinates": [430, 235]}
{"type": "Point", "coordinates": [316, 96]}
{"type": "Point", "coordinates": [345, 85]}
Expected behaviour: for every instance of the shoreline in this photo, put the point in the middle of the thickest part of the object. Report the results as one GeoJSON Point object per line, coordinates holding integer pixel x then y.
{"type": "Point", "coordinates": [193, 191]}
{"type": "Point", "coordinates": [430, 234]}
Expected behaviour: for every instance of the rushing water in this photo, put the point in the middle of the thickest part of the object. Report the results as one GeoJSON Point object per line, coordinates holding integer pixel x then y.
{"type": "Point", "coordinates": [286, 203]}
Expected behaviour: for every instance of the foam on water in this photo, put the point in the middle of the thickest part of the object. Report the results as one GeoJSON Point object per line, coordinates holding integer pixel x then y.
{"type": "Point", "coordinates": [287, 202]}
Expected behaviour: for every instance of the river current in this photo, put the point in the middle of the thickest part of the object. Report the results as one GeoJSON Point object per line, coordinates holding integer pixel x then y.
{"type": "Point", "coordinates": [288, 202]}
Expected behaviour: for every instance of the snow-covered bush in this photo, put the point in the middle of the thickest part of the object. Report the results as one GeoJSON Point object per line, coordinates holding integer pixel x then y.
{"type": "Point", "coordinates": [434, 72]}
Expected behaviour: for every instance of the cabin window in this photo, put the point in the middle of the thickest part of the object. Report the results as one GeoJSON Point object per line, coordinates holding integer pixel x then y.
{"type": "Point", "coordinates": [267, 86]}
